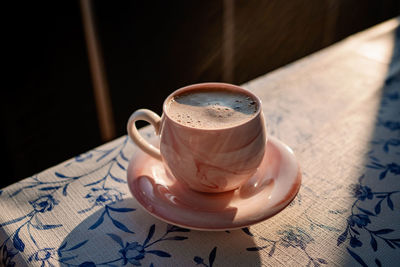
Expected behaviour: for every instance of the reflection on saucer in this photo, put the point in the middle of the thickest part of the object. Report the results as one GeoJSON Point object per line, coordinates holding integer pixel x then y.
{"type": "Point", "coordinates": [270, 190]}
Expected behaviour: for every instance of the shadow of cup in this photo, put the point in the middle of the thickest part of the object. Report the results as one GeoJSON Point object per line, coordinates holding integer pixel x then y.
{"type": "Point", "coordinates": [112, 237]}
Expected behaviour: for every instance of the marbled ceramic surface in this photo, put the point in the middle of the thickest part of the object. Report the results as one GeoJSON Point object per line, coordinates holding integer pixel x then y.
{"type": "Point", "coordinates": [206, 160]}
{"type": "Point", "coordinates": [275, 183]}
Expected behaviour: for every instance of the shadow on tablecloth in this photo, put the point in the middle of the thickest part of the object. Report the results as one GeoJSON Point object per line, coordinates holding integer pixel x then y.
{"type": "Point", "coordinates": [372, 233]}
{"type": "Point", "coordinates": [114, 236]}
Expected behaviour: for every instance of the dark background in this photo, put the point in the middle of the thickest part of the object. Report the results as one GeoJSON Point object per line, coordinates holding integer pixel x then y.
{"type": "Point", "coordinates": [150, 48]}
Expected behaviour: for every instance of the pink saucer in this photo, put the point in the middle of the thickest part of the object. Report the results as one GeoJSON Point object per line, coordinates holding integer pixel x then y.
{"type": "Point", "coordinates": [269, 191]}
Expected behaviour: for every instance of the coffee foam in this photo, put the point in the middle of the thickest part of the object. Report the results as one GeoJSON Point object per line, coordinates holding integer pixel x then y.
{"type": "Point", "coordinates": [212, 108]}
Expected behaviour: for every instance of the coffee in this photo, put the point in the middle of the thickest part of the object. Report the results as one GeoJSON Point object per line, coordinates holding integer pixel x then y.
{"type": "Point", "coordinates": [212, 108]}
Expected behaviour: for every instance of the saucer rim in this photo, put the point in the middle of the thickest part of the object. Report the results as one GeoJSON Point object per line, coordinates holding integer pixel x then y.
{"type": "Point", "coordinates": [295, 188]}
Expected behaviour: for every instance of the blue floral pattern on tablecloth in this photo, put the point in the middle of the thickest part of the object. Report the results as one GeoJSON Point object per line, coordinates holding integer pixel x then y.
{"type": "Point", "coordinates": [99, 195]}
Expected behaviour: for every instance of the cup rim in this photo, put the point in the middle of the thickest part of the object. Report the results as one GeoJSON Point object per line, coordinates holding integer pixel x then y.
{"type": "Point", "coordinates": [209, 85]}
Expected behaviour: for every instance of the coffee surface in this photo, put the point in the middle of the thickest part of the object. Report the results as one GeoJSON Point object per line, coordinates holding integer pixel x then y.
{"type": "Point", "coordinates": [212, 108]}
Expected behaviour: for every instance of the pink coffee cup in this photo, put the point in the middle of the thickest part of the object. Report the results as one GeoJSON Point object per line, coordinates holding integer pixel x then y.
{"type": "Point", "coordinates": [207, 160]}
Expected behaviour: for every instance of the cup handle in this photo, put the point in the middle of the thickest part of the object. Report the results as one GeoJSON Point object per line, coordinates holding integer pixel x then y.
{"type": "Point", "coordinates": [153, 119]}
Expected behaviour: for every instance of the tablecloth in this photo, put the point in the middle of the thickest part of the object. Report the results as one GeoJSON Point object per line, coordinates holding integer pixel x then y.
{"type": "Point", "coordinates": [338, 109]}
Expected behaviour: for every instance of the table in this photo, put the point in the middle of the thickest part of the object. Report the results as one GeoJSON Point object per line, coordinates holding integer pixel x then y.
{"type": "Point", "coordinates": [338, 109]}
